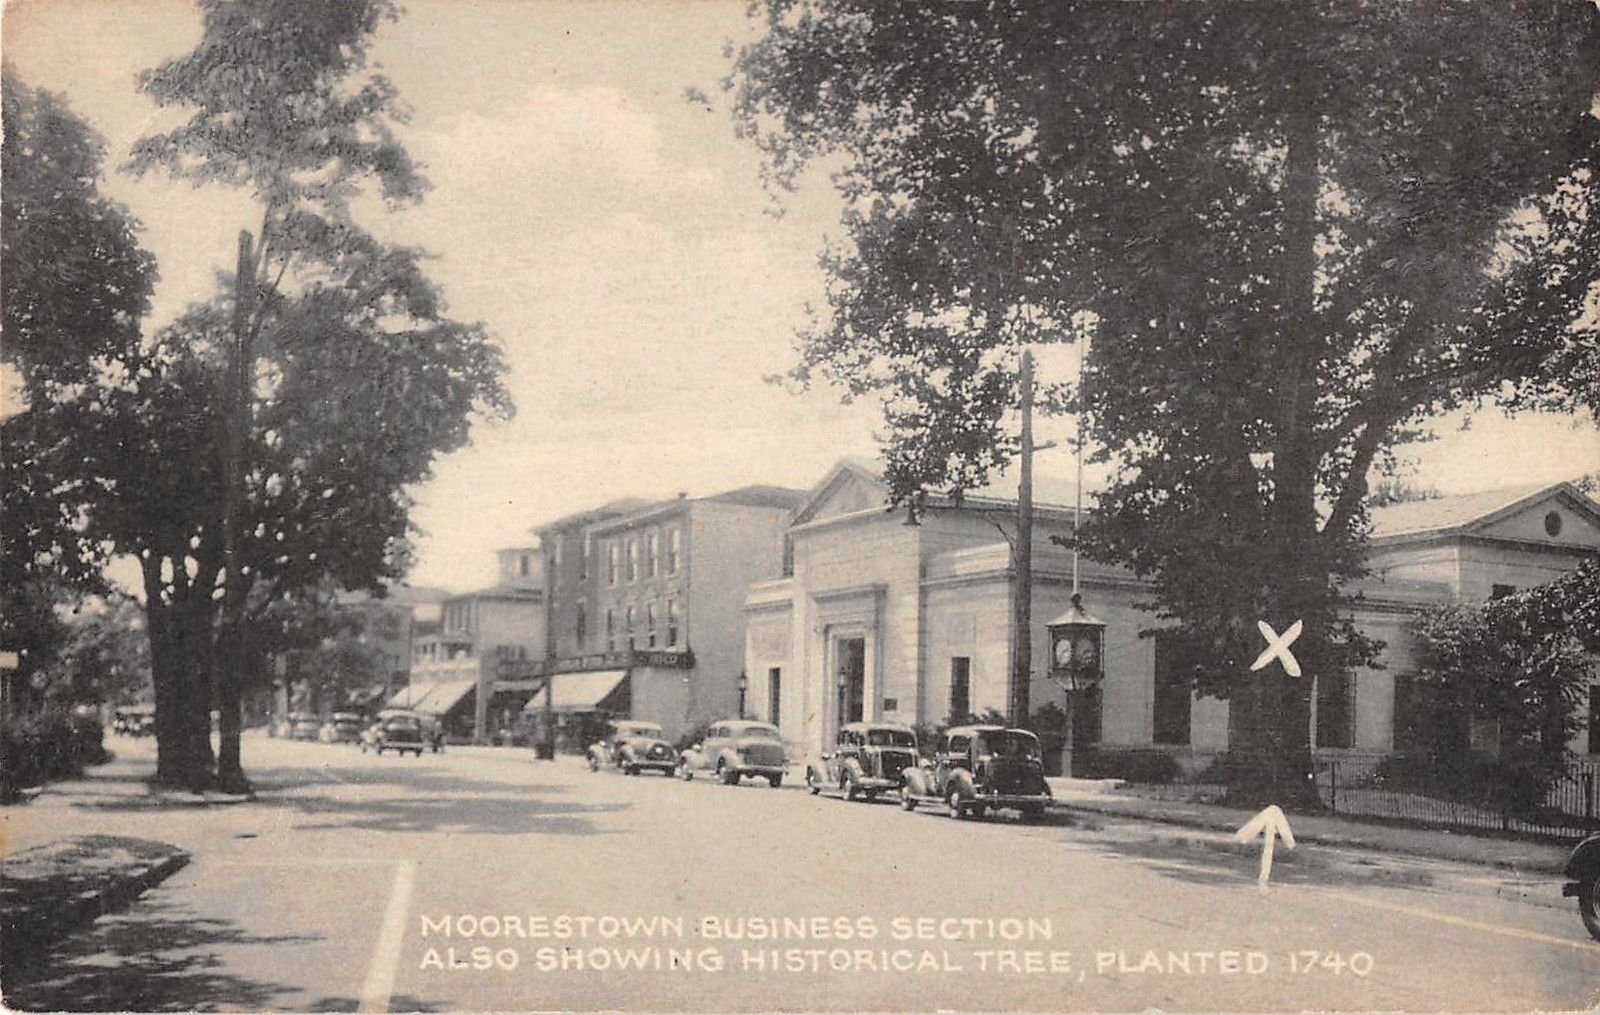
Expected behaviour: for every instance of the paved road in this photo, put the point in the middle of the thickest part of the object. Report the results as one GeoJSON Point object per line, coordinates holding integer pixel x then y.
{"type": "Point", "coordinates": [481, 879]}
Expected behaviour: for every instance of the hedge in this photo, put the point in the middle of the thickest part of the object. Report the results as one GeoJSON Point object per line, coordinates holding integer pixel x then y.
{"type": "Point", "coordinates": [41, 746]}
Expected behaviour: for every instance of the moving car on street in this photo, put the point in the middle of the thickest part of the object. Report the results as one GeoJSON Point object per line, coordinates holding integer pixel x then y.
{"type": "Point", "coordinates": [867, 758]}
{"type": "Point", "coordinates": [633, 746]}
{"type": "Point", "coordinates": [736, 748]}
{"type": "Point", "coordinates": [979, 769]}
{"type": "Point", "coordinates": [401, 733]}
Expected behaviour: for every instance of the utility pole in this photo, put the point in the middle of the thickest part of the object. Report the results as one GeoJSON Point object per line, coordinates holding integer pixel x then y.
{"type": "Point", "coordinates": [1022, 554]}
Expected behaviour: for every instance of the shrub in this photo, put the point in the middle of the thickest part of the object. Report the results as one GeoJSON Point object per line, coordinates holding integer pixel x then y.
{"type": "Point", "coordinates": [1514, 783]}
{"type": "Point", "coordinates": [41, 746]}
{"type": "Point", "coordinates": [1133, 764]}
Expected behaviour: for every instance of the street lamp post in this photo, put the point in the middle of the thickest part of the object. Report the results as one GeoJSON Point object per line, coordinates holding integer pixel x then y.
{"type": "Point", "coordinates": [744, 686]}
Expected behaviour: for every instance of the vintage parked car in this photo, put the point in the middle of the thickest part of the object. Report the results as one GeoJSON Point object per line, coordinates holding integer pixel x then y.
{"type": "Point", "coordinates": [304, 726]}
{"type": "Point", "coordinates": [401, 733]}
{"type": "Point", "coordinates": [1583, 880]}
{"type": "Point", "coordinates": [979, 769]}
{"type": "Point", "coordinates": [866, 759]}
{"type": "Point", "coordinates": [344, 728]}
{"type": "Point", "coordinates": [633, 746]}
{"type": "Point", "coordinates": [735, 748]}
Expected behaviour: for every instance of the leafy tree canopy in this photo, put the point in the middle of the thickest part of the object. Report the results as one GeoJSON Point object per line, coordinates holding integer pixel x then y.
{"type": "Point", "coordinates": [73, 285]}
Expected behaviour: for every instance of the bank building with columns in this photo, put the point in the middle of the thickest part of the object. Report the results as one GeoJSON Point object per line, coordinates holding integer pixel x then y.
{"type": "Point", "coordinates": [876, 619]}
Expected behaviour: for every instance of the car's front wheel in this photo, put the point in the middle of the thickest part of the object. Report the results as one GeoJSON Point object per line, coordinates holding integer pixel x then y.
{"type": "Point", "coordinates": [1589, 908]}
{"type": "Point", "coordinates": [952, 800]}
{"type": "Point", "coordinates": [812, 782]}
{"type": "Point", "coordinates": [727, 773]}
{"type": "Point", "coordinates": [908, 800]}
{"type": "Point", "coordinates": [775, 780]}
{"type": "Point", "coordinates": [594, 763]}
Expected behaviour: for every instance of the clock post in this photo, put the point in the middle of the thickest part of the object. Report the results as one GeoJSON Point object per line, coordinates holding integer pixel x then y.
{"type": "Point", "coordinates": [1077, 661]}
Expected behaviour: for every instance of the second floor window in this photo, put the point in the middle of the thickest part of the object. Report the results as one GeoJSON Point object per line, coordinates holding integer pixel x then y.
{"type": "Point", "coordinates": [632, 561]}
{"type": "Point", "coordinates": [627, 625]}
{"type": "Point", "coordinates": [612, 553]}
{"type": "Point", "coordinates": [580, 625]}
{"type": "Point", "coordinates": [674, 549]}
{"type": "Point", "coordinates": [652, 555]}
{"type": "Point", "coordinates": [650, 624]}
{"type": "Point", "coordinates": [611, 631]}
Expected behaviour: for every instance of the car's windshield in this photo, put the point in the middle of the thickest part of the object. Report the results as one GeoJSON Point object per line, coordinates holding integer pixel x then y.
{"type": "Point", "coordinates": [1011, 744]}
{"type": "Point", "coordinates": [891, 738]}
{"type": "Point", "coordinates": [759, 733]}
{"type": "Point", "coordinates": [643, 729]}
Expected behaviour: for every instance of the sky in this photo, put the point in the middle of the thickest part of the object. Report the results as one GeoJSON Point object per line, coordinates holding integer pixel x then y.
{"type": "Point", "coordinates": [615, 239]}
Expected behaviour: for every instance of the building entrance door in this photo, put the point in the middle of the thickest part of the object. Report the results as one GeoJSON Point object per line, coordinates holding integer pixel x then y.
{"type": "Point", "coordinates": [852, 679]}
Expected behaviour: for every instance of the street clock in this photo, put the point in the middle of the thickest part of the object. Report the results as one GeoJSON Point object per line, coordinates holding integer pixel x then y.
{"type": "Point", "coordinates": [1077, 648]}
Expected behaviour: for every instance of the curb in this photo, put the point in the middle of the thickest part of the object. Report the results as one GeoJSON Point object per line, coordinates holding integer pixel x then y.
{"type": "Point", "coordinates": [30, 926]}
{"type": "Point", "coordinates": [1323, 839]}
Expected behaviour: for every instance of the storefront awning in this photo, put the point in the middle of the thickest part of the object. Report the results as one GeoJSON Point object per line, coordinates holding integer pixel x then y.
{"type": "Point", "coordinates": [441, 698]}
{"type": "Point", "coordinates": [409, 696]}
{"type": "Point", "coordinates": [579, 692]}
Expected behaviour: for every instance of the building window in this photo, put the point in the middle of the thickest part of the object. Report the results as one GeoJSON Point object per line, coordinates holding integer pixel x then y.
{"type": "Point", "coordinates": [627, 625]}
{"type": "Point", "coordinates": [652, 555]}
{"type": "Point", "coordinates": [580, 625]}
{"type": "Point", "coordinates": [1336, 692]}
{"type": "Point", "coordinates": [613, 552]}
{"type": "Point", "coordinates": [960, 688]}
{"type": "Point", "coordinates": [774, 695]}
{"type": "Point", "coordinates": [611, 630]}
{"type": "Point", "coordinates": [650, 624]}
{"type": "Point", "coordinates": [632, 561]}
{"type": "Point", "coordinates": [1174, 680]}
{"type": "Point", "coordinates": [522, 565]}
{"type": "Point", "coordinates": [583, 560]}
{"type": "Point", "coordinates": [674, 549]}
{"type": "Point", "coordinates": [1552, 524]}
{"type": "Point", "coordinates": [1501, 591]}
{"type": "Point", "coordinates": [672, 623]}
{"type": "Point", "coordinates": [555, 560]}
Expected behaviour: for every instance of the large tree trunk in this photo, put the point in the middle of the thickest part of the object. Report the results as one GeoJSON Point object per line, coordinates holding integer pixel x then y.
{"type": "Point", "coordinates": [1276, 764]}
{"type": "Point", "coordinates": [179, 639]}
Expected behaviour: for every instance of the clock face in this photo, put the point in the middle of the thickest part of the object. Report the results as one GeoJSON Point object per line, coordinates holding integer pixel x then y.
{"type": "Point", "coordinates": [1086, 651]}
{"type": "Point", "coordinates": [1063, 652]}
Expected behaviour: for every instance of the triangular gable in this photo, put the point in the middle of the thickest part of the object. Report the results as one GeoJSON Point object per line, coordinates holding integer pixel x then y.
{"type": "Point", "coordinates": [1556, 514]}
{"type": "Point", "coordinates": [850, 486]}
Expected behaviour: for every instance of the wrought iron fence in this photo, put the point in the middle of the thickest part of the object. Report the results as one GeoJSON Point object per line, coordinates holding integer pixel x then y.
{"type": "Point", "coordinates": [1359, 785]}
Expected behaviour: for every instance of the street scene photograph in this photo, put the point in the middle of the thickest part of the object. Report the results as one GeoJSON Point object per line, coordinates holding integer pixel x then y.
{"type": "Point", "coordinates": [800, 505]}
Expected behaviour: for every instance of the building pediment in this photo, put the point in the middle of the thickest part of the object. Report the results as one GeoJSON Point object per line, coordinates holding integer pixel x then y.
{"type": "Point", "coordinates": [1557, 514]}
{"type": "Point", "coordinates": [850, 487]}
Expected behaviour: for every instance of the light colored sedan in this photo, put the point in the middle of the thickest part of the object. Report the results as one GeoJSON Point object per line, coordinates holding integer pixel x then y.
{"type": "Point", "coordinates": [736, 748]}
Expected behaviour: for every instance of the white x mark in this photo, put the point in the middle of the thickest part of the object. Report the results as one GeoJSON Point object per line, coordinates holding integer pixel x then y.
{"type": "Point", "coordinates": [1278, 647]}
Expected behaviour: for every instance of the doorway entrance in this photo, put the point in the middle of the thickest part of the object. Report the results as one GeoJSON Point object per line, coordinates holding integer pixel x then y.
{"type": "Point", "coordinates": [852, 679]}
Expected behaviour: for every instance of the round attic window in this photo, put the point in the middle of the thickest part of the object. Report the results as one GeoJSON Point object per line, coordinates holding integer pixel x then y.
{"type": "Point", "coordinates": [1552, 523]}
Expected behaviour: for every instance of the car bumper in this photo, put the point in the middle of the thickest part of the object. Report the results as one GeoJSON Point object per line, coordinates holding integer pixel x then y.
{"type": "Point", "coordinates": [768, 770]}
{"type": "Point", "coordinates": [1013, 800]}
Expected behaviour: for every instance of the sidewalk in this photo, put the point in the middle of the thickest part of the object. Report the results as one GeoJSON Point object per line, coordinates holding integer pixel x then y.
{"type": "Point", "coordinates": [1536, 861]}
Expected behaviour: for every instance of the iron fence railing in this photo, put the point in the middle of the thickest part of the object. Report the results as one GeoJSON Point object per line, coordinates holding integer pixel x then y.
{"type": "Point", "coordinates": [1358, 785]}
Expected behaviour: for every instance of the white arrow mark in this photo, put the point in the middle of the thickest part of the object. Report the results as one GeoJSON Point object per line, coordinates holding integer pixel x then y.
{"type": "Point", "coordinates": [1269, 824]}
{"type": "Point", "coordinates": [1278, 647]}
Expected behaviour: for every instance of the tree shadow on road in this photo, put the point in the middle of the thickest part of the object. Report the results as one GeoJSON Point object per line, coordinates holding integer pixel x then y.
{"type": "Point", "coordinates": [156, 957]}
{"type": "Point", "coordinates": [466, 812]}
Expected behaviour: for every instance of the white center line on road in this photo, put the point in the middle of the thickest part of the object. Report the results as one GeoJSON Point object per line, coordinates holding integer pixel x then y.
{"type": "Point", "coordinates": [379, 983]}
{"type": "Point", "coordinates": [1458, 921]}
